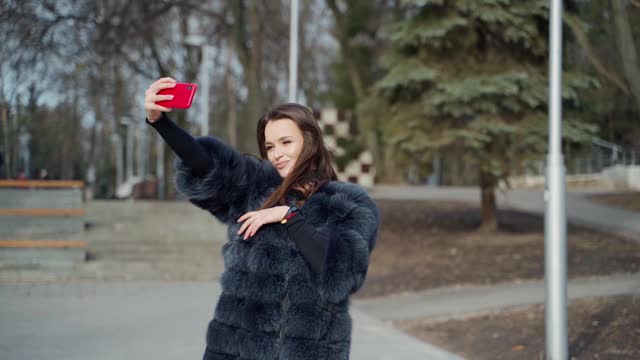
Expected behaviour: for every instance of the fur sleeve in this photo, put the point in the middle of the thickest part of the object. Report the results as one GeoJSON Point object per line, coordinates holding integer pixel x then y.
{"type": "Point", "coordinates": [352, 230]}
{"type": "Point", "coordinates": [228, 188]}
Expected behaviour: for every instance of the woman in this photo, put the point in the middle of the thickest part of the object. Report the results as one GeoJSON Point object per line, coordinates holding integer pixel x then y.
{"type": "Point", "coordinates": [299, 240]}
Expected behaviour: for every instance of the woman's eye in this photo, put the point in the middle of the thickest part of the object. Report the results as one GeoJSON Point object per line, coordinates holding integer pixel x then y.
{"type": "Point", "coordinates": [286, 142]}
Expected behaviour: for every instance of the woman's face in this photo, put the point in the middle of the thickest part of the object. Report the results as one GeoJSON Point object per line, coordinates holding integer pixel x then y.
{"type": "Point", "coordinates": [283, 142]}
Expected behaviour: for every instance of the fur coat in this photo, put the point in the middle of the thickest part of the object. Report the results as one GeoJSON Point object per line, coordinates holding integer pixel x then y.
{"type": "Point", "coordinates": [272, 305]}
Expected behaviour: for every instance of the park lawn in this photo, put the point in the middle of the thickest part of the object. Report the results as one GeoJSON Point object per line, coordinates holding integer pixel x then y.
{"type": "Point", "coordinates": [424, 245]}
{"type": "Point", "coordinates": [603, 328]}
{"type": "Point", "coordinates": [626, 200]}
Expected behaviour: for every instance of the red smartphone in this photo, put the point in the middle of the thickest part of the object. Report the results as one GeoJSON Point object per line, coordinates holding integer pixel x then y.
{"type": "Point", "coordinates": [183, 94]}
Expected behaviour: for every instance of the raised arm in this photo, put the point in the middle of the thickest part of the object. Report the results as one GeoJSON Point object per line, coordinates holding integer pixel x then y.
{"type": "Point", "coordinates": [233, 185]}
{"type": "Point", "coordinates": [190, 152]}
{"type": "Point", "coordinates": [211, 174]}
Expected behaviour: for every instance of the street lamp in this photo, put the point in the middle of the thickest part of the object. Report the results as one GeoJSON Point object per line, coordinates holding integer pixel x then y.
{"type": "Point", "coordinates": [293, 52]}
{"type": "Point", "coordinates": [555, 239]}
{"type": "Point", "coordinates": [25, 156]}
{"type": "Point", "coordinates": [205, 66]}
{"type": "Point", "coordinates": [126, 121]}
{"type": "Point", "coordinates": [117, 144]}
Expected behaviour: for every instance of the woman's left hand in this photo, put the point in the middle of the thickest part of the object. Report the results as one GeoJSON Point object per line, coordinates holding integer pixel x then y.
{"type": "Point", "coordinates": [255, 219]}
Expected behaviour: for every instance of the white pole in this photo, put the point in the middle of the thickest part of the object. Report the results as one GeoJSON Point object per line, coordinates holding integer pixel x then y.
{"type": "Point", "coordinates": [129, 148]}
{"type": "Point", "coordinates": [293, 52]}
{"type": "Point", "coordinates": [140, 151]}
{"type": "Point", "coordinates": [160, 166]}
{"type": "Point", "coordinates": [117, 143]}
{"type": "Point", "coordinates": [555, 195]}
{"type": "Point", "coordinates": [207, 57]}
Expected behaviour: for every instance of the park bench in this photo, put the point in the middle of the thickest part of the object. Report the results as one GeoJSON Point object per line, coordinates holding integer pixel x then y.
{"type": "Point", "coordinates": [41, 223]}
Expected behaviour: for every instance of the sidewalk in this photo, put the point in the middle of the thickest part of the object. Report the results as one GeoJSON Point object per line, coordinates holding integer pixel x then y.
{"type": "Point", "coordinates": [462, 301]}
{"type": "Point", "coordinates": [147, 320]}
{"type": "Point", "coordinates": [580, 210]}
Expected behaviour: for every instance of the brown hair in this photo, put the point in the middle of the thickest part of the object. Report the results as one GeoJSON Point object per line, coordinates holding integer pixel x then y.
{"type": "Point", "coordinates": [313, 167]}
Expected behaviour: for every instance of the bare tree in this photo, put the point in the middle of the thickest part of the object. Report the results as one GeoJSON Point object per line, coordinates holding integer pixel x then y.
{"type": "Point", "coordinates": [627, 48]}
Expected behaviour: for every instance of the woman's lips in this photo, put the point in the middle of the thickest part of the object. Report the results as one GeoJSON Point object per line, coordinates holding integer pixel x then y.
{"type": "Point", "coordinates": [282, 164]}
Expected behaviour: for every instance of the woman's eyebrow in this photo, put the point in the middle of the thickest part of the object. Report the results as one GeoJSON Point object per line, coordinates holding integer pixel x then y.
{"type": "Point", "coordinates": [286, 136]}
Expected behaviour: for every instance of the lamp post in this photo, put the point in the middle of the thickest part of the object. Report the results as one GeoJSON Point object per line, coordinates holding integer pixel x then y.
{"type": "Point", "coordinates": [116, 140]}
{"type": "Point", "coordinates": [25, 156]}
{"type": "Point", "coordinates": [555, 239]}
{"type": "Point", "coordinates": [293, 52]}
{"type": "Point", "coordinates": [141, 151]}
{"type": "Point", "coordinates": [129, 149]}
{"type": "Point", "coordinates": [160, 166]}
{"type": "Point", "coordinates": [205, 69]}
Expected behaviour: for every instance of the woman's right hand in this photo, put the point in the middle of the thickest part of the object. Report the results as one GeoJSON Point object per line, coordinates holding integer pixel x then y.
{"type": "Point", "coordinates": [154, 111]}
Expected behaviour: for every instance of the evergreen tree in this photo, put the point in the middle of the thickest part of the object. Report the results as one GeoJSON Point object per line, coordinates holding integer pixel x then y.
{"type": "Point", "coordinates": [469, 77]}
{"type": "Point", "coordinates": [356, 28]}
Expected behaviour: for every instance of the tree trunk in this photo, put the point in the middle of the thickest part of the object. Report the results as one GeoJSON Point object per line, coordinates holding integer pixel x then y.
{"type": "Point", "coordinates": [488, 201]}
{"type": "Point", "coordinates": [347, 51]}
{"type": "Point", "coordinates": [6, 148]}
{"type": "Point", "coordinates": [230, 87]}
{"type": "Point", "coordinates": [627, 49]}
{"type": "Point", "coordinates": [389, 172]}
{"type": "Point", "coordinates": [249, 55]}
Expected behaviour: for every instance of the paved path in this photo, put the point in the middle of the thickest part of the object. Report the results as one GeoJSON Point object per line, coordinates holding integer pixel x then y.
{"type": "Point", "coordinates": [147, 320]}
{"type": "Point", "coordinates": [129, 319]}
{"type": "Point", "coordinates": [470, 300]}
{"type": "Point", "coordinates": [579, 209]}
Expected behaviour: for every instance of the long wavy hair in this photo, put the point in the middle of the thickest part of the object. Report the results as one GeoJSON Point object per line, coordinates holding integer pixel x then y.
{"type": "Point", "coordinates": [312, 169]}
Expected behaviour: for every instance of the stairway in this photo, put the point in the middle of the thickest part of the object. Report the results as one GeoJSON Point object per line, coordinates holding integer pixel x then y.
{"type": "Point", "coordinates": [149, 240]}
{"type": "Point", "coordinates": [140, 240]}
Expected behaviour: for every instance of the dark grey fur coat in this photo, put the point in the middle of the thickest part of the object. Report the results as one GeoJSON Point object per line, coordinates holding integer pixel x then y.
{"type": "Point", "coordinates": [272, 305]}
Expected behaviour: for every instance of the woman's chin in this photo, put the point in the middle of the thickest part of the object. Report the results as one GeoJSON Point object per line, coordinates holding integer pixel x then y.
{"type": "Point", "coordinates": [283, 172]}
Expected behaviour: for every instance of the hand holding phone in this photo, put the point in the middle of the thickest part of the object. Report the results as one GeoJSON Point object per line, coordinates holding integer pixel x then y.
{"type": "Point", "coordinates": [183, 94]}
{"type": "Point", "coordinates": [166, 94]}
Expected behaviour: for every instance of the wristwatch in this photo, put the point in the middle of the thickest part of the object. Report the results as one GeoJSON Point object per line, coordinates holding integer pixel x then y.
{"type": "Point", "coordinates": [290, 213]}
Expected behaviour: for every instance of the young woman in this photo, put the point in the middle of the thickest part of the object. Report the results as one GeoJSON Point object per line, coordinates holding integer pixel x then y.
{"type": "Point", "coordinates": [299, 240]}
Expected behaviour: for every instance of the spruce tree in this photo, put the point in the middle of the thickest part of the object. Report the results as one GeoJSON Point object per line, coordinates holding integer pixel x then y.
{"type": "Point", "coordinates": [469, 77]}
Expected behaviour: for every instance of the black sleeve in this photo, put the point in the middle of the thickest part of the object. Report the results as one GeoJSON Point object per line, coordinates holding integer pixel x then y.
{"type": "Point", "coordinates": [311, 243]}
{"type": "Point", "coordinates": [183, 144]}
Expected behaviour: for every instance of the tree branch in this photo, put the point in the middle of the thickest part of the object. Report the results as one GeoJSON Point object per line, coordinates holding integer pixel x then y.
{"type": "Point", "coordinates": [627, 49]}
{"type": "Point", "coordinates": [582, 39]}
{"type": "Point", "coordinates": [347, 52]}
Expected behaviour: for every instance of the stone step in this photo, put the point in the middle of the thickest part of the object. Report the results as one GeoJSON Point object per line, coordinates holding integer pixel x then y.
{"type": "Point", "coordinates": [10, 257]}
{"type": "Point", "coordinates": [40, 198]}
{"type": "Point", "coordinates": [134, 244]}
{"type": "Point", "coordinates": [154, 250]}
{"type": "Point", "coordinates": [40, 227]}
{"type": "Point", "coordinates": [165, 270]}
{"type": "Point", "coordinates": [109, 269]}
{"type": "Point", "coordinates": [128, 257]}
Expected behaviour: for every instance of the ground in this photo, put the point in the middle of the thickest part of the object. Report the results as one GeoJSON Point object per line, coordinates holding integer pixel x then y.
{"type": "Point", "coordinates": [607, 328]}
{"type": "Point", "coordinates": [626, 200]}
{"type": "Point", "coordinates": [424, 245]}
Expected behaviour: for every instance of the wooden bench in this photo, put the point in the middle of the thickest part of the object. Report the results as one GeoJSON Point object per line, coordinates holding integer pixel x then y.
{"type": "Point", "coordinates": [41, 223]}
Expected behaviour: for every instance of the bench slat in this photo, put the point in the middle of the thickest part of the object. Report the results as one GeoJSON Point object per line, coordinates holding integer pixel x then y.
{"type": "Point", "coordinates": [40, 198]}
{"type": "Point", "coordinates": [42, 212]}
{"type": "Point", "coordinates": [43, 244]}
{"type": "Point", "coordinates": [51, 184]}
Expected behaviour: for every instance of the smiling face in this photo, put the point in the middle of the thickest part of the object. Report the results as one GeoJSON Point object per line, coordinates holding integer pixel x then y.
{"type": "Point", "coordinates": [283, 142]}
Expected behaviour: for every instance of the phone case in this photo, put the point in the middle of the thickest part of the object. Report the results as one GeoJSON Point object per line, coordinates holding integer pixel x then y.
{"type": "Point", "coordinates": [183, 94]}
